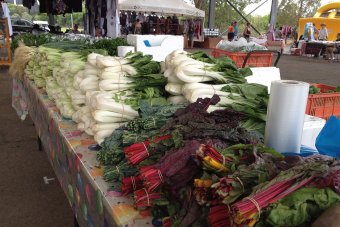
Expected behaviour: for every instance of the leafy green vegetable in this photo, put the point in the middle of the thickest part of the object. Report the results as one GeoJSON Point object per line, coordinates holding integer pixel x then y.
{"type": "Point", "coordinates": [31, 40]}
{"type": "Point", "coordinates": [110, 45]}
{"type": "Point", "coordinates": [314, 90]}
{"type": "Point", "coordinates": [301, 207]}
{"type": "Point", "coordinates": [250, 99]}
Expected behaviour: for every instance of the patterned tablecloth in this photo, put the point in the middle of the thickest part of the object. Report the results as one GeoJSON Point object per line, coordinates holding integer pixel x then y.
{"type": "Point", "coordinates": [75, 165]}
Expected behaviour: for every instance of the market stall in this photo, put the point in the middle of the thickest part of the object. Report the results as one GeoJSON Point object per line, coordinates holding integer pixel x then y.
{"type": "Point", "coordinates": [75, 165]}
{"type": "Point", "coordinates": [149, 143]}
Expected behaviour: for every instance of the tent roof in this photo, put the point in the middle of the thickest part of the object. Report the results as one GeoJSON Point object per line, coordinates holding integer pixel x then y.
{"type": "Point", "coordinates": [178, 7]}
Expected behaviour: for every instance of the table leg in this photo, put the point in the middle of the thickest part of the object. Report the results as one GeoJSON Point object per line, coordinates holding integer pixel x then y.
{"type": "Point", "coordinates": [76, 224]}
{"type": "Point", "coordinates": [40, 146]}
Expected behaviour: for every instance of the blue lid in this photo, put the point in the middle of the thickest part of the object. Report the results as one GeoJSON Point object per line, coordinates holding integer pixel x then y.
{"type": "Point", "coordinates": [304, 152]}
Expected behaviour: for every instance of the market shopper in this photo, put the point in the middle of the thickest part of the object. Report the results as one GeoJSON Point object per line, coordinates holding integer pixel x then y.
{"type": "Point", "coordinates": [231, 32]}
{"type": "Point", "coordinates": [75, 29]}
{"type": "Point", "coordinates": [323, 32]}
{"type": "Point", "coordinates": [247, 32]}
{"type": "Point", "coordinates": [235, 29]}
{"type": "Point", "coordinates": [138, 27]}
{"type": "Point", "coordinates": [316, 31]}
{"type": "Point", "coordinates": [191, 33]}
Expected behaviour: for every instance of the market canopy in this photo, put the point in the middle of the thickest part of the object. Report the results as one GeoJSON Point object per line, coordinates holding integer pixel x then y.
{"type": "Point", "coordinates": [178, 7]}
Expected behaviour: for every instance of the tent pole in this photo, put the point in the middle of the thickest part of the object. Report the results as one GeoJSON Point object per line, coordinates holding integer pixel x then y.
{"type": "Point", "coordinates": [273, 12]}
{"type": "Point", "coordinates": [212, 9]}
{"type": "Point", "coordinates": [72, 20]}
{"type": "Point", "coordinates": [243, 16]}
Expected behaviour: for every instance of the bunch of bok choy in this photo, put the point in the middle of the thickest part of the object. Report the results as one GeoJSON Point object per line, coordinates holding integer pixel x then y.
{"type": "Point", "coordinates": [186, 68]}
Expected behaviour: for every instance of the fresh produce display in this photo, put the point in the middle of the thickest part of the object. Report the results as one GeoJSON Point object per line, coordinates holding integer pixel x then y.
{"type": "Point", "coordinates": [316, 90]}
{"type": "Point", "coordinates": [194, 158]}
{"type": "Point", "coordinates": [240, 45]}
{"type": "Point", "coordinates": [193, 76]}
{"type": "Point", "coordinates": [22, 55]}
{"type": "Point", "coordinates": [31, 40]}
{"type": "Point", "coordinates": [112, 88]}
{"type": "Point", "coordinates": [201, 168]}
{"type": "Point", "coordinates": [108, 44]}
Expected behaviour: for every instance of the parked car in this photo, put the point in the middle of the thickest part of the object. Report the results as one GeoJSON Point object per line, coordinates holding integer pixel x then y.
{"type": "Point", "coordinates": [21, 26]}
{"type": "Point", "coordinates": [42, 24]}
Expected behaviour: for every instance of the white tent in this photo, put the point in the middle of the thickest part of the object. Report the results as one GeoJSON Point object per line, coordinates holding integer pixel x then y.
{"type": "Point", "coordinates": [178, 7]}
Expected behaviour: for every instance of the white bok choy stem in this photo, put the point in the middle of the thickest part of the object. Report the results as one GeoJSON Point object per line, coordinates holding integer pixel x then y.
{"type": "Point", "coordinates": [171, 75]}
{"type": "Point", "coordinates": [92, 59]}
{"type": "Point", "coordinates": [101, 135]}
{"type": "Point", "coordinates": [188, 88]}
{"type": "Point", "coordinates": [208, 93]}
{"type": "Point", "coordinates": [89, 131]}
{"type": "Point", "coordinates": [174, 89]}
{"type": "Point", "coordinates": [105, 126]}
{"type": "Point", "coordinates": [104, 103]}
{"type": "Point", "coordinates": [89, 84]}
{"type": "Point", "coordinates": [115, 87]}
{"type": "Point", "coordinates": [104, 116]}
{"type": "Point", "coordinates": [179, 99]}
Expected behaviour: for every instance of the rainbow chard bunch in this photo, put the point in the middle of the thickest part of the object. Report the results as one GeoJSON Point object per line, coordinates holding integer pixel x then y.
{"type": "Point", "coordinates": [211, 159]}
{"type": "Point", "coordinates": [175, 168]}
{"type": "Point", "coordinates": [145, 199]}
{"type": "Point", "coordinates": [240, 182]}
{"type": "Point", "coordinates": [131, 184]}
{"type": "Point", "coordinates": [247, 211]}
{"type": "Point", "coordinates": [118, 172]}
{"type": "Point", "coordinates": [140, 151]}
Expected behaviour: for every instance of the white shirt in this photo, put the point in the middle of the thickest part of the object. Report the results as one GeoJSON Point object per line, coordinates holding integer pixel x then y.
{"type": "Point", "coordinates": [323, 33]}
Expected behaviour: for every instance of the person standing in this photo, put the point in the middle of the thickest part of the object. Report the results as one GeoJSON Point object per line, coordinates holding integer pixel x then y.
{"type": "Point", "coordinates": [191, 33]}
{"type": "Point", "coordinates": [330, 50]}
{"type": "Point", "coordinates": [235, 29]}
{"type": "Point", "coordinates": [247, 32]}
{"type": "Point", "coordinates": [323, 32]}
{"type": "Point", "coordinates": [138, 27]}
{"type": "Point", "coordinates": [231, 31]}
{"type": "Point", "coordinates": [316, 32]}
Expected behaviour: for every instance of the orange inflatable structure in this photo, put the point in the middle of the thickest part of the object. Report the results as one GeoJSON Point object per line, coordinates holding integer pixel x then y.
{"type": "Point", "coordinates": [328, 14]}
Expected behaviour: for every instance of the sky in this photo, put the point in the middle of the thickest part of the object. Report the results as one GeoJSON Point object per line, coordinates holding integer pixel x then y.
{"type": "Point", "coordinates": [265, 9]}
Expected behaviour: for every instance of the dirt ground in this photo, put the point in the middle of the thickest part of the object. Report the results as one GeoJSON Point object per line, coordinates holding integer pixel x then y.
{"type": "Point", "coordinates": [24, 198]}
{"type": "Point", "coordinates": [309, 69]}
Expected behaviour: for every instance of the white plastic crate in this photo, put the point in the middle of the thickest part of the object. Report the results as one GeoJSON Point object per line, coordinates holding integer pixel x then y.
{"type": "Point", "coordinates": [312, 128]}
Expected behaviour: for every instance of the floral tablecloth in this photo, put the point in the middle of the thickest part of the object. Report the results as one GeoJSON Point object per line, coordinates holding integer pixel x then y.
{"type": "Point", "coordinates": [75, 165]}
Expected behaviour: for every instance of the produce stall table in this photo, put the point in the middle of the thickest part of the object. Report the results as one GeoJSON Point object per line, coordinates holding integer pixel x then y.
{"type": "Point", "coordinates": [317, 48]}
{"type": "Point", "coordinates": [314, 48]}
{"type": "Point", "coordinates": [75, 165]}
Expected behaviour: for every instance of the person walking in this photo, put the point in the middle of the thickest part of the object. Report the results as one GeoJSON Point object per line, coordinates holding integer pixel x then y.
{"type": "Point", "coordinates": [247, 32]}
{"type": "Point", "coordinates": [235, 29]}
{"type": "Point", "coordinates": [231, 31]}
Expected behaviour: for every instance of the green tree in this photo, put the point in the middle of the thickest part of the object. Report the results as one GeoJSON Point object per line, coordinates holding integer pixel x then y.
{"type": "Point", "coordinates": [26, 16]}
{"type": "Point", "coordinates": [40, 16]}
{"type": "Point", "coordinates": [225, 14]}
{"type": "Point", "coordinates": [290, 11]}
{"type": "Point", "coordinates": [17, 9]}
{"type": "Point", "coordinates": [260, 23]}
{"type": "Point", "coordinates": [15, 15]}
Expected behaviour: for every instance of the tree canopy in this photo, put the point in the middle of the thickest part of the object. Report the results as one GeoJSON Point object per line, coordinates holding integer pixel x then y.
{"type": "Point", "coordinates": [19, 11]}
{"type": "Point", "coordinates": [291, 10]}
